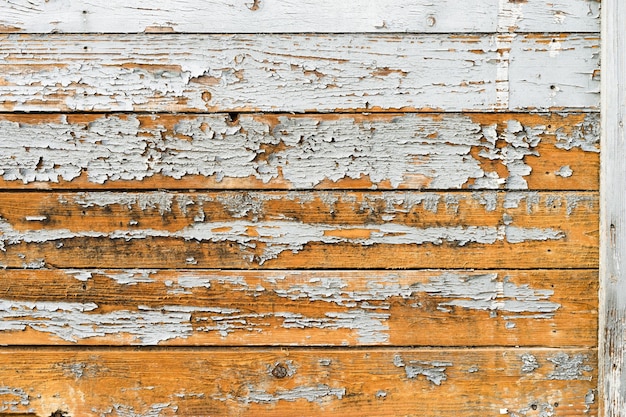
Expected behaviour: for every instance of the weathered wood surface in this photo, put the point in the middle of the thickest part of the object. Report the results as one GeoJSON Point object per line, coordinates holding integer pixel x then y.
{"type": "Point", "coordinates": [300, 230]}
{"type": "Point", "coordinates": [248, 151]}
{"type": "Point", "coordinates": [394, 382]}
{"type": "Point", "coordinates": [613, 221]}
{"type": "Point", "coordinates": [549, 308]}
{"type": "Point", "coordinates": [263, 16]}
{"type": "Point", "coordinates": [299, 73]}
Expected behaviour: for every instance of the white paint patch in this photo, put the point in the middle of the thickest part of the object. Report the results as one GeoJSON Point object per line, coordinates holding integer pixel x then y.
{"type": "Point", "coordinates": [280, 236]}
{"type": "Point", "coordinates": [317, 393]}
{"type": "Point", "coordinates": [433, 371]}
{"type": "Point", "coordinates": [307, 151]}
{"type": "Point", "coordinates": [486, 292]}
{"type": "Point", "coordinates": [569, 368]}
{"type": "Point", "coordinates": [12, 398]}
{"type": "Point", "coordinates": [555, 48]}
{"type": "Point", "coordinates": [509, 15]}
{"type": "Point", "coordinates": [369, 326]}
{"type": "Point", "coordinates": [77, 321]}
{"type": "Point", "coordinates": [565, 171]}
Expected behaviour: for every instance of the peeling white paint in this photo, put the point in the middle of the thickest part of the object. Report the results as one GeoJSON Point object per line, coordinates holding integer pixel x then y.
{"type": "Point", "coordinates": [11, 398]}
{"type": "Point", "coordinates": [308, 151]}
{"type": "Point", "coordinates": [433, 371]}
{"type": "Point", "coordinates": [569, 368]}
{"type": "Point", "coordinates": [486, 292]}
{"type": "Point", "coordinates": [290, 73]}
{"type": "Point", "coordinates": [529, 363]}
{"type": "Point", "coordinates": [369, 326]}
{"type": "Point", "coordinates": [76, 321]}
{"type": "Point", "coordinates": [152, 410]}
{"type": "Point", "coordinates": [316, 393]}
{"type": "Point", "coordinates": [565, 171]}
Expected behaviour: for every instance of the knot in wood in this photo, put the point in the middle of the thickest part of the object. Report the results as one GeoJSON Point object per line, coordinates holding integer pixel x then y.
{"type": "Point", "coordinates": [279, 371]}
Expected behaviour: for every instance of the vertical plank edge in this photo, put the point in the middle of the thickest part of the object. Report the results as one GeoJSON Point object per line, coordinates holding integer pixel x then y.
{"type": "Point", "coordinates": [613, 208]}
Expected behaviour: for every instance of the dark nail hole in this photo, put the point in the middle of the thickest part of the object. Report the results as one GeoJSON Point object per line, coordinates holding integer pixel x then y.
{"type": "Point", "coordinates": [556, 405]}
{"type": "Point", "coordinates": [279, 371]}
{"type": "Point", "coordinates": [534, 406]}
{"type": "Point", "coordinates": [552, 87]}
{"type": "Point", "coordinates": [84, 286]}
{"type": "Point", "coordinates": [233, 117]}
{"type": "Point", "coordinates": [84, 11]}
{"type": "Point", "coordinates": [85, 48]}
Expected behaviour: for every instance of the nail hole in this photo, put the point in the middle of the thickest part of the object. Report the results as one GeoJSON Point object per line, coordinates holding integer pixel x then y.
{"type": "Point", "coordinates": [556, 405]}
{"type": "Point", "coordinates": [552, 87]}
{"type": "Point", "coordinates": [534, 406]}
{"type": "Point", "coordinates": [233, 117]}
{"type": "Point", "coordinates": [84, 11]}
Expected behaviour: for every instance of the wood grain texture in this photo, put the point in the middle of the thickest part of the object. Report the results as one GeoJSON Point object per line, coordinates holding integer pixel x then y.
{"type": "Point", "coordinates": [613, 221]}
{"type": "Point", "coordinates": [300, 230]}
{"type": "Point", "coordinates": [256, 151]}
{"type": "Point", "coordinates": [299, 73]}
{"type": "Point", "coordinates": [425, 383]}
{"type": "Point", "coordinates": [306, 308]}
{"type": "Point", "coordinates": [263, 16]}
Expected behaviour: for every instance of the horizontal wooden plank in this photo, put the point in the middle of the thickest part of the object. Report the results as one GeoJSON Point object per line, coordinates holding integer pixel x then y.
{"type": "Point", "coordinates": [230, 16]}
{"type": "Point", "coordinates": [300, 230]}
{"type": "Point", "coordinates": [298, 73]}
{"type": "Point", "coordinates": [398, 382]}
{"type": "Point", "coordinates": [401, 308]}
{"type": "Point", "coordinates": [245, 151]}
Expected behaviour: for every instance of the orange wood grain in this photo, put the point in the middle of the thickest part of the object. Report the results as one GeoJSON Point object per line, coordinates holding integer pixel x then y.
{"type": "Point", "coordinates": [193, 307]}
{"type": "Point", "coordinates": [296, 382]}
{"type": "Point", "coordinates": [300, 230]}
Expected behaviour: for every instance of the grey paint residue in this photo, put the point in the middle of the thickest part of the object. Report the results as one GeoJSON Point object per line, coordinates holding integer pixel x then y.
{"type": "Point", "coordinates": [13, 398]}
{"type": "Point", "coordinates": [529, 363]}
{"type": "Point", "coordinates": [317, 393]}
{"type": "Point", "coordinates": [154, 410]}
{"type": "Point", "coordinates": [433, 371]}
{"type": "Point", "coordinates": [570, 368]}
{"type": "Point", "coordinates": [279, 236]}
{"type": "Point", "coordinates": [76, 321]}
{"type": "Point", "coordinates": [486, 292]}
{"type": "Point", "coordinates": [565, 171]}
{"type": "Point", "coordinates": [369, 326]}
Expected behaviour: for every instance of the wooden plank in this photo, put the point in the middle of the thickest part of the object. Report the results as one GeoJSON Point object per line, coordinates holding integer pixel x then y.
{"type": "Point", "coordinates": [295, 382]}
{"type": "Point", "coordinates": [300, 230]}
{"type": "Point", "coordinates": [316, 308]}
{"type": "Point", "coordinates": [613, 220]}
{"type": "Point", "coordinates": [298, 73]}
{"type": "Point", "coordinates": [247, 151]}
{"type": "Point", "coordinates": [259, 16]}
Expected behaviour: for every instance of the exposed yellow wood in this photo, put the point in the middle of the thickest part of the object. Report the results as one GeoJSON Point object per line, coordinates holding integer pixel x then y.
{"type": "Point", "coordinates": [296, 382]}
{"type": "Point", "coordinates": [194, 307]}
